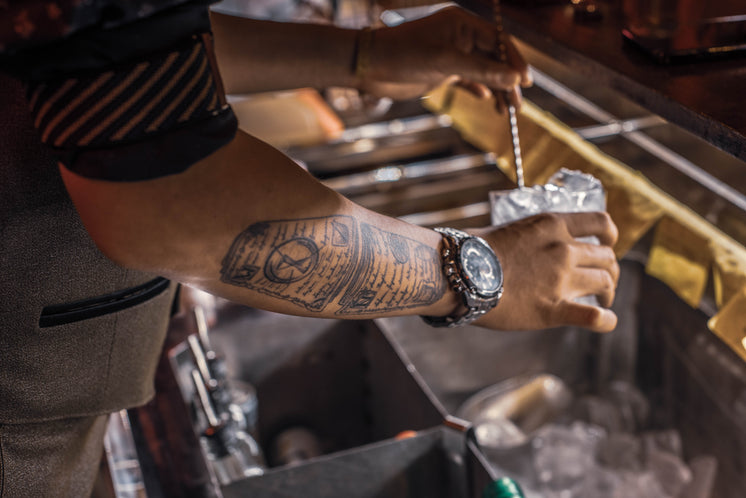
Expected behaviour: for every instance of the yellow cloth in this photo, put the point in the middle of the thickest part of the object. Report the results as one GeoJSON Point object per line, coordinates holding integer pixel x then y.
{"type": "Point", "coordinates": [681, 258]}
{"type": "Point", "coordinates": [686, 248]}
{"type": "Point", "coordinates": [728, 273]}
{"type": "Point", "coordinates": [547, 146]}
{"type": "Point", "coordinates": [730, 325]}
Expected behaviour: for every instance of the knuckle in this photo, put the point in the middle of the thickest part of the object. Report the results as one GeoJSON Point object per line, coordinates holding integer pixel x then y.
{"type": "Point", "coordinates": [602, 217]}
{"type": "Point", "coordinates": [546, 221]}
{"type": "Point", "coordinates": [561, 251]}
{"type": "Point", "coordinates": [616, 270]}
{"type": "Point", "coordinates": [609, 226]}
{"type": "Point", "coordinates": [608, 283]}
{"type": "Point", "coordinates": [611, 259]}
{"type": "Point", "coordinates": [507, 79]}
{"type": "Point", "coordinates": [591, 316]}
{"type": "Point", "coordinates": [549, 217]}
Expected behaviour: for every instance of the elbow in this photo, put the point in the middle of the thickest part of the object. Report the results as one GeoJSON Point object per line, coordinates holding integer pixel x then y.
{"type": "Point", "coordinates": [125, 250]}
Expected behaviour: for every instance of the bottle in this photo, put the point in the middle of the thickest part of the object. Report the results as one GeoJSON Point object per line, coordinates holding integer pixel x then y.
{"type": "Point", "coordinates": [505, 487]}
{"type": "Point", "coordinates": [233, 454]}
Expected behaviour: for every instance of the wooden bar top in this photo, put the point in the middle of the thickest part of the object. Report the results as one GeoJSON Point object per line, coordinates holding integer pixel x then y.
{"type": "Point", "coordinates": [705, 97]}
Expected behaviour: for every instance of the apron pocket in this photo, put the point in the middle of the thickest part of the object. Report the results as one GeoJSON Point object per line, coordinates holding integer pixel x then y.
{"type": "Point", "coordinates": [61, 314]}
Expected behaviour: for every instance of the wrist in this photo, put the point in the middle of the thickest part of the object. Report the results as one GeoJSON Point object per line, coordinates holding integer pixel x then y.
{"type": "Point", "coordinates": [473, 273]}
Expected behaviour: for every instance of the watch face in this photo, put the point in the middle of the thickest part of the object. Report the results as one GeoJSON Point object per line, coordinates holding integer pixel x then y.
{"type": "Point", "coordinates": [481, 267]}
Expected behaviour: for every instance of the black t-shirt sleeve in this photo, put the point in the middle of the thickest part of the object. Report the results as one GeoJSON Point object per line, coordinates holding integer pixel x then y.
{"type": "Point", "coordinates": [114, 110]}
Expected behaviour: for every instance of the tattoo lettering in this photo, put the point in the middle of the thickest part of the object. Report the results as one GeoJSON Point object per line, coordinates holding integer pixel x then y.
{"type": "Point", "coordinates": [315, 261]}
{"type": "Point", "coordinates": [379, 284]}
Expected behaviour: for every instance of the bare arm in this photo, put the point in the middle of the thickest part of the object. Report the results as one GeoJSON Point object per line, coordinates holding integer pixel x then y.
{"type": "Point", "coordinates": [401, 62]}
{"type": "Point", "coordinates": [248, 224]}
{"type": "Point", "coordinates": [257, 55]}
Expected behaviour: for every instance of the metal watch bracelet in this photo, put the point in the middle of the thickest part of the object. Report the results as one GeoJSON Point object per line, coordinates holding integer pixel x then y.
{"type": "Point", "coordinates": [471, 307]}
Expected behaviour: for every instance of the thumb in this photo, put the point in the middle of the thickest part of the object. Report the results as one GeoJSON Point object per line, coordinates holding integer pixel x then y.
{"type": "Point", "coordinates": [498, 75]}
{"type": "Point", "coordinates": [481, 69]}
{"type": "Point", "coordinates": [583, 315]}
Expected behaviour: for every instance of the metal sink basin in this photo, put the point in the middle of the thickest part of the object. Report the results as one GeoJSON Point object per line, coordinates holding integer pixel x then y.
{"type": "Point", "coordinates": [357, 385]}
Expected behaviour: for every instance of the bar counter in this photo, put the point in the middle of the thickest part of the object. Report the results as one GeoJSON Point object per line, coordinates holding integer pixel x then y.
{"type": "Point", "coordinates": [703, 97]}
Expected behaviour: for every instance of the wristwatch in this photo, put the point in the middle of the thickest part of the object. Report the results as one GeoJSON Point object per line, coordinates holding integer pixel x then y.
{"type": "Point", "coordinates": [474, 272]}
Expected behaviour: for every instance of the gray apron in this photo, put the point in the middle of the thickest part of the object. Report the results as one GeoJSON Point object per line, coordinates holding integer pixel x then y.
{"type": "Point", "coordinates": [79, 336]}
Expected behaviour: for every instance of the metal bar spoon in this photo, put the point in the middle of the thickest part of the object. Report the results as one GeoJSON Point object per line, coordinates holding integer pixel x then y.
{"type": "Point", "coordinates": [512, 113]}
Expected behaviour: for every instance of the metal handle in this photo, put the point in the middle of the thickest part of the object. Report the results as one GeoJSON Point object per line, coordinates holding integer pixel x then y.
{"type": "Point", "coordinates": [200, 359]}
{"type": "Point", "coordinates": [204, 398]}
{"type": "Point", "coordinates": [204, 338]}
{"type": "Point", "coordinates": [512, 114]}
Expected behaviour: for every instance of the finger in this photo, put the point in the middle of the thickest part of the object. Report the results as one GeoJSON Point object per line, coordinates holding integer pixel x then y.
{"type": "Point", "coordinates": [517, 62]}
{"type": "Point", "coordinates": [503, 99]}
{"type": "Point", "coordinates": [473, 32]}
{"type": "Point", "coordinates": [515, 97]}
{"type": "Point", "coordinates": [499, 75]}
{"type": "Point", "coordinates": [594, 282]}
{"type": "Point", "coordinates": [485, 38]}
{"type": "Point", "coordinates": [501, 105]}
{"type": "Point", "coordinates": [596, 256]}
{"type": "Point", "coordinates": [596, 223]}
{"type": "Point", "coordinates": [477, 89]}
{"type": "Point", "coordinates": [586, 316]}
{"type": "Point", "coordinates": [482, 69]}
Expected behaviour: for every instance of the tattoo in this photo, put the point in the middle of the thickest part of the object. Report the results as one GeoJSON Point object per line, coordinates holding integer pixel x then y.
{"type": "Point", "coordinates": [315, 261]}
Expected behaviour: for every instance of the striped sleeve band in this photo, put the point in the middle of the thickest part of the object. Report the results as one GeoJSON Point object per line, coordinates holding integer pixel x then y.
{"type": "Point", "coordinates": [141, 120]}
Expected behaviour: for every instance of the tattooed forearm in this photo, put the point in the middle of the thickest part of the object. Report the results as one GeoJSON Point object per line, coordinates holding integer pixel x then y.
{"type": "Point", "coordinates": [391, 273]}
{"type": "Point", "coordinates": [313, 262]}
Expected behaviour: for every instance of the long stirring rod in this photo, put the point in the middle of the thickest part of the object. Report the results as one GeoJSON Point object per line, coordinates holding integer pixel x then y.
{"type": "Point", "coordinates": [516, 146]}
{"type": "Point", "coordinates": [503, 53]}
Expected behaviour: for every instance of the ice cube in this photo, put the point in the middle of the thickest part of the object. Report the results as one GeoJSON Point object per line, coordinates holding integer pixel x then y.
{"type": "Point", "coordinates": [621, 451]}
{"type": "Point", "coordinates": [599, 482]}
{"type": "Point", "coordinates": [670, 471]}
{"type": "Point", "coordinates": [639, 485]}
{"type": "Point", "coordinates": [512, 205]}
{"type": "Point", "coordinates": [632, 404]}
{"type": "Point", "coordinates": [590, 433]}
{"type": "Point", "coordinates": [529, 492]}
{"type": "Point", "coordinates": [567, 192]}
{"type": "Point", "coordinates": [585, 191]}
{"type": "Point", "coordinates": [704, 470]}
{"type": "Point", "coordinates": [666, 440]}
{"type": "Point", "coordinates": [600, 412]}
{"type": "Point", "coordinates": [562, 456]}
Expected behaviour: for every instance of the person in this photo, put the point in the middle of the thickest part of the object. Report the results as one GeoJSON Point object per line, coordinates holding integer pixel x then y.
{"type": "Point", "coordinates": [144, 179]}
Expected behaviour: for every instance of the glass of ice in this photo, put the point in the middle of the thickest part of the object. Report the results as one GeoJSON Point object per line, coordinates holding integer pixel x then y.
{"type": "Point", "coordinates": [566, 192]}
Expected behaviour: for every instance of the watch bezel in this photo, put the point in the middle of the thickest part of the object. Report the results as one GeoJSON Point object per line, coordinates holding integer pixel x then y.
{"type": "Point", "coordinates": [460, 255]}
{"type": "Point", "coordinates": [476, 302]}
